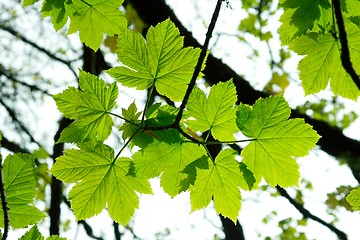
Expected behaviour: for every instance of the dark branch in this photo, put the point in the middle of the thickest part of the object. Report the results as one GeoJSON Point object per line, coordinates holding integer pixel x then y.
{"type": "Point", "coordinates": [117, 233]}
{"type": "Point", "coordinates": [11, 146]}
{"type": "Point", "coordinates": [345, 54]}
{"type": "Point", "coordinates": [14, 117]}
{"type": "Point", "coordinates": [307, 214]}
{"type": "Point", "coordinates": [34, 45]}
{"type": "Point", "coordinates": [13, 78]}
{"type": "Point", "coordinates": [200, 61]}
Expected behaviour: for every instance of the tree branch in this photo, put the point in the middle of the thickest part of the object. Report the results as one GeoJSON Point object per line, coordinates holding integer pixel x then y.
{"type": "Point", "coordinates": [11, 146]}
{"type": "Point", "coordinates": [34, 45]}
{"type": "Point", "coordinates": [200, 61]}
{"type": "Point", "coordinates": [20, 124]}
{"type": "Point", "coordinates": [333, 141]}
{"type": "Point", "coordinates": [307, 214]}
{"type": "Point", "coordinates": [345, 54]}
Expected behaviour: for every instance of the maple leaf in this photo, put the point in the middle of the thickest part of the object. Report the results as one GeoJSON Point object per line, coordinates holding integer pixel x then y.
{"type": "Point", "coordinates": [100, 179]}
{"type": "Point", "coordinates": [93, 18]}
{"type": "Point", "coordinates": [322, 62]}
{"type": "Point", "coordinates": [168, 159]}
{"type": "Point", "coordinates": [275, 140]}
{"type": "Point", "coordinates": [159, 61]}
{"type": "Point", "coordinates": [221, 181]}
{"type": "Point", "coordinates": [215, 113]}
{"type": "Point", "coordinates": [90, 107]}
{"type": "Point", "coordinates": [19, 184]}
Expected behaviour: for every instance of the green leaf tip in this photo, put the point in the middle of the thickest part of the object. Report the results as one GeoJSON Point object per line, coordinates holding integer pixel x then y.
{"type": "Point", "coordinates": [275, 140]}
{"type": "Point", "coordinates": [159, 61]}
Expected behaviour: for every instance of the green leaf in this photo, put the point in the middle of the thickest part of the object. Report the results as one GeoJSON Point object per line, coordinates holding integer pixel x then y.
{"type": "Point", "coordinates": [100, 180]}
{"type": "Point", "coordinates": [29, 2]}
{"type": "Point", "coordinates": [57, 10]}
{"type": "Point", "coordinates": [132, 125]}
{"type": "Point", "coordinates": [300, 17]}
{"type": "Point", "coordinates": [215, 113]}
{"type": "Point", "coordinates": [19, 183]}
{"type": "Point", "coordinates": [168, 159]}
{"type": "Point", "coordinates": [221, 181]}
{"type": "Point", "coordinates": [274, 140]}
{"type": "Point", "coordinates": [322, 62]}
{"type": "Point", "coordinates": [93, 18]}
{"type": "Point", "coordinates": [90, 107]}
{"type": "Point", "coordinates": [159, 61]}
{"type": "Point", "coordinates": [354, 198]}
{"type": "Point", "coordinates": [32, 234]}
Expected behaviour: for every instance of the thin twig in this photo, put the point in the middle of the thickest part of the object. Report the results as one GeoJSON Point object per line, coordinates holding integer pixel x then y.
{"type": "Point", "coordinates": [345, 54]}
{"type": "Point", "coordinates": [117, 233]}
{"type": "Point", "coordinates": [4, 204]}
{"type": "Point", "coordinates": [341, 235]}
{"type": "Point", "coordinates": [34, 45]}
{"type": "Point", "coordinates": [200, 61]}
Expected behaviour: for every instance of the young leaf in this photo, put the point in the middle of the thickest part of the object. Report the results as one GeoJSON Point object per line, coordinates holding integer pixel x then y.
{"type": "Point", "coordinates": [275, 140]}
{"type": "Point", "coordinates": [354, 198]}
{"type": "Point", "coordinates": [217, 113]}
{"type": "Point", "coordinates": [99, 180]}
{"type": "Point", "coordinates": [322, 62]}
{"type": "Point", "coordinates": [90, 107]}
{"type": "Point", "coordinates": [159, 61]}
{"type": "Point", "coordinates": [19, 179]}
{"type": "Point", "coordinates": [168, 159]}
{"type": "Point", "coordinates": [131, 127]}
{"type": "Point", "coordinates": [93, 18]}
{"type": "Point", "coordinates": [221, 181]}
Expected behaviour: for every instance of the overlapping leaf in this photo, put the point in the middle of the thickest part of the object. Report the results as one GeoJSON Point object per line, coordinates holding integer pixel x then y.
{"type": "Point", "coordinates": [159, 61]}
{"type": "Point", "coordinates": [275, 140]}
{"type": "Point", "coordinates": [222, 182]}
{"type": "Point", "coordinates": [322, 62]}
{"type": "Point", "coordinates": [93, 18]}
{"type": "Point", "coordinates": [300, 17]}
{"type": "Point", "coordinates": [99, 181]}
{"type": "Point", "coordinates": [169, 159]}
{"type": "Point", "coordinates": [215, 113]}
{"type": "Point", "coordinates": [19, 183]}
{"type": "Point", "coordinates": [58, 10]}
{"type": "Point", "coordinates": [89, 107]}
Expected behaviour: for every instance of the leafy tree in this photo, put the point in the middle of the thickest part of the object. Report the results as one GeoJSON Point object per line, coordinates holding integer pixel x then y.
{"type": "Point", "coordinates": [214, 142]}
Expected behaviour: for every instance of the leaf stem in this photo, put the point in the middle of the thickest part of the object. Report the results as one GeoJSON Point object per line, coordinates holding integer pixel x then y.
{"type": "Point", "coordinates": [4, 204]}
{"type": "Point", "coordinates": [221, 142]}
{"type": "Point", "coordinates": [147, 102]}
{"type": "Point", "coordinates": [126, 120]}
{"type": "Point", "coordinates": [345, 54]}
{"type": "Point", "coordinates": [126, 144]}
{"type": "Point", "coordinates": [200, 61]}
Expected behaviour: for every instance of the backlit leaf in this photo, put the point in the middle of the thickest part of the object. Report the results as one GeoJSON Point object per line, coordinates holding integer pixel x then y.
{"type": "Point", "coordinates": [19, 179]}
{"type": "Point", "coordinates": [159, 61]}
{"type": "Point", "coordinates": [222, 182]}
{"type": "Point", "coordinates": [215, 113]}
{"type": "Point", "coordinates": [89, 107]}
{"type": "Point", "coordinates": [354, 198]}
{"type": "Point", "coordinates": [275, 140]}
{"type": "Point", "coordinates": [93, 18]}
{"type": "Point", "coordinates": [100, 181]}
